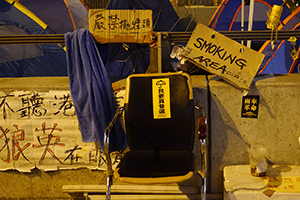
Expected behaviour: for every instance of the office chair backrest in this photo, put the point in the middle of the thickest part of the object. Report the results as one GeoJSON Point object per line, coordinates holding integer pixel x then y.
{"type": "Point", "coordinates": [171, 125]}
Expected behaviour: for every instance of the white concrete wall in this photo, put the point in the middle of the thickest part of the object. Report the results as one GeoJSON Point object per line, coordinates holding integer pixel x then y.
{"type": "Point", "coordinates": [277, 125]}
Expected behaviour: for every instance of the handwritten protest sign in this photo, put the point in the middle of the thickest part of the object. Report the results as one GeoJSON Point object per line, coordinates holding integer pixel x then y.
{"type": "Point", "coordinates": [118, 26]}
{"type": "Point", "coordinates": [40, 129]}
{"type": "Point", "coordinates": [222, 56]}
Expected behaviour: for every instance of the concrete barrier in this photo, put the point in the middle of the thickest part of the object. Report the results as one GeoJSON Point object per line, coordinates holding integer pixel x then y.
{"type": "Point", "coordinates": [276, 127]}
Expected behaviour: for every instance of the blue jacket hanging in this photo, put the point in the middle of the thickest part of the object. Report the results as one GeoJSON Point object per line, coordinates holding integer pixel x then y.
{"type": "Point", "coordinates": [91, 91]}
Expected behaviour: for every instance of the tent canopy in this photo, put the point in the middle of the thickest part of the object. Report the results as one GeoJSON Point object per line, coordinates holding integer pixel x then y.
{"type": "Point", "coordinates": [279, 59]}
{"type": "Point", "coordinates": [27, 60]}
{"type": "Point", "coordinates": [37, 60]}
{"type": "Point", "coordinates": [228, 15]}
{"type": "Point", "coordinates": [61, 16]}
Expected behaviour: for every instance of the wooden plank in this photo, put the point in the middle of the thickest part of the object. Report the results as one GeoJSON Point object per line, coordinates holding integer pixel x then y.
{"type": "Point", "coordinates": [121, 26]}
{"type": "Point", "coordinates": [147, 197]}
{"type": "Point", "coordinates": [149, 189]}
{"type": "Point", "coordinates": [84, 188]}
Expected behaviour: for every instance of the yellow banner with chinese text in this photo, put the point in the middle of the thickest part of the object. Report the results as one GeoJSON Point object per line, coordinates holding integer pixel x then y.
{"type": "Point", "coordinates": [161, 98]}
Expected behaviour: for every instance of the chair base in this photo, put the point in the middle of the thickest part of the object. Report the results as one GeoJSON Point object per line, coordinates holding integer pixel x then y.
{"type": "Point", "coordinates": [131, 192]}
{"type": "Point", "coordinates": [148, 197]}
{"type": "Point", "coordinates": [156, 180]}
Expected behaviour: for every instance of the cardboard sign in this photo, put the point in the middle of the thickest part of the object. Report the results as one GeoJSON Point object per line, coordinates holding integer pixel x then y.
{"type": "Point", "coordinates": [118, 26]}
{"type": "Point", "coordinates": [161, 98]}
{"type": "Point", "coordinates": [222, 56]}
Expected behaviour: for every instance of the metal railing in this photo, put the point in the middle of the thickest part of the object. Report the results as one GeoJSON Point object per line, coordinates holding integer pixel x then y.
{"type": "Point", "coordinates": [171, 36]}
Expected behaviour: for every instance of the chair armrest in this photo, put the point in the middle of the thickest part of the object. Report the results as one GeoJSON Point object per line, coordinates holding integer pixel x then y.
{"type": "Point", "coordinates": [107, 136]}
{"type": "Point", "coordinates": [111, 124]}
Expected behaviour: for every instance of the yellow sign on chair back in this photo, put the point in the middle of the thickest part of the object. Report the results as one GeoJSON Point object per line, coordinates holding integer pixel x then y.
{"type": "Point", "coordinates": [161, 98]}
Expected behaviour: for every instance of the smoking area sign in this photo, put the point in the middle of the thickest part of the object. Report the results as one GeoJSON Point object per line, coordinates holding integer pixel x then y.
{"type": "Point", "coordinates": [222, 56]}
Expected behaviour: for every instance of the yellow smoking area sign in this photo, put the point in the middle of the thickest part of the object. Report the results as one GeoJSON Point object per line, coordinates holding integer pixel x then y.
{"type": "Point", "coordinates": [222, 56]}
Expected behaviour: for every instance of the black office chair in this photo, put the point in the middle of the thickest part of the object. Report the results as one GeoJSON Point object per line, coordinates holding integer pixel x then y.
{"type": "Point", "coordinates": [159, 122]}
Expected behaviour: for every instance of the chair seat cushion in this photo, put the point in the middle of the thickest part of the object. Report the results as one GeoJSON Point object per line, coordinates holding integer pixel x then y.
{"type": "Point", "coordinates": [147, 163]}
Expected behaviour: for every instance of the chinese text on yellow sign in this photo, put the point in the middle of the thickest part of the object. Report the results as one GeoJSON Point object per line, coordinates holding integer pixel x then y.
{"type": "Point", "coordinates": [118, 26]}
{"type": "Point", "coordinates": [161, 98]}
